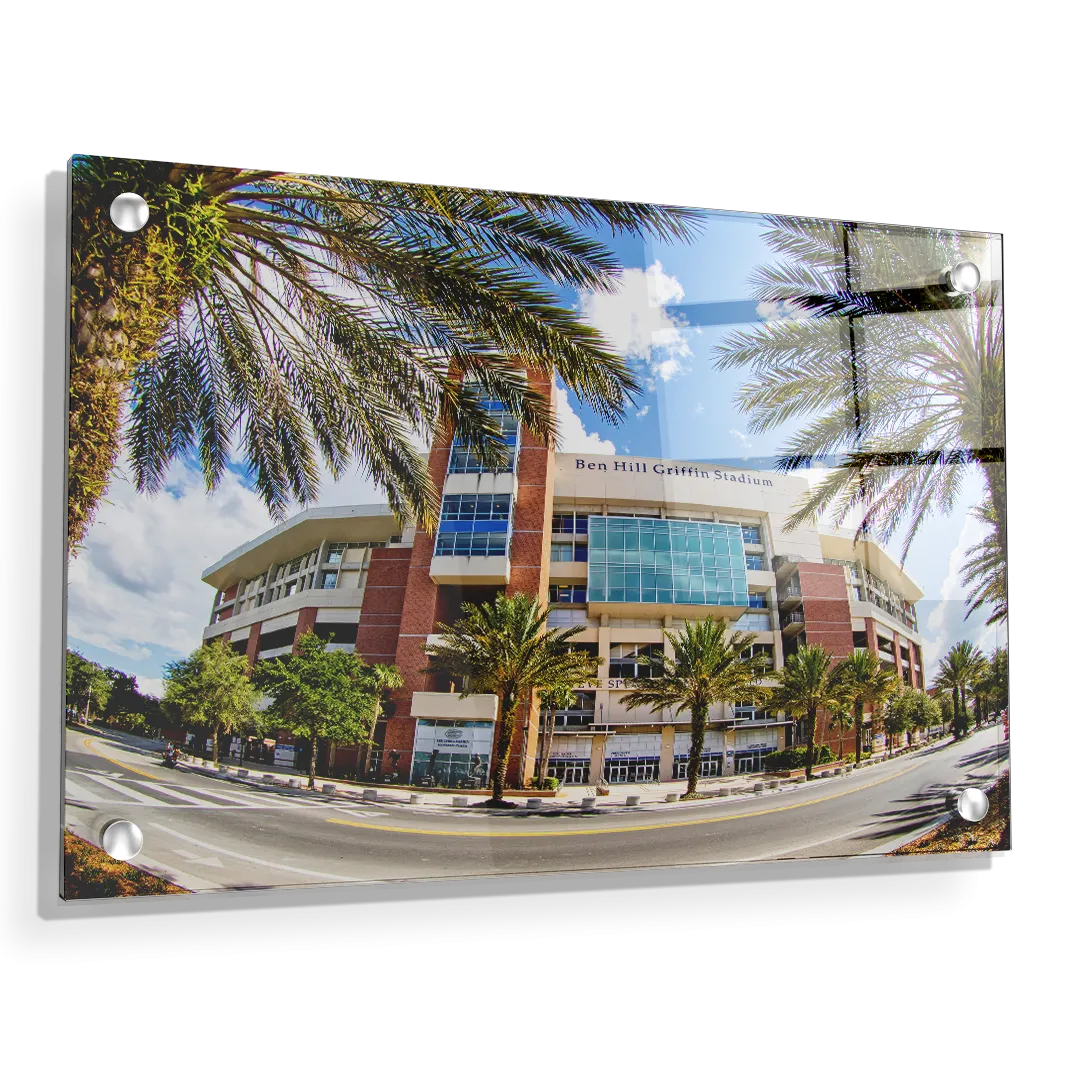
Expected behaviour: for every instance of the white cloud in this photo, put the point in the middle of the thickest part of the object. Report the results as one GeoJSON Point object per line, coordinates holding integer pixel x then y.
{"type": "Point", "coordinates": [699, 408]}
{"type": "Point", "coordinates": [945, 625]}
{"type": "Point", "coordinates": [573, 438]}
{"type": "Point", "coordinates": [642, 412]}
{"type": "Point", "coordinates": [778, 310]}
{"type": "Point", "coordinates": [744, 442]}
{"type": "Point", "coordinates": [151, 686]}
{"type": "Point", "coordinates": [635, 322]}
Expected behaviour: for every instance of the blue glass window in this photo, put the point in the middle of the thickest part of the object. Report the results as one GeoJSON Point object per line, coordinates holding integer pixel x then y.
{"type": "Point", "coordinates": [464, 460]}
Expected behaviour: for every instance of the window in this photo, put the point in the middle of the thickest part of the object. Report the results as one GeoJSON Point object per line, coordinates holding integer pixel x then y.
{"type": "Point", "coordinates": [329, 579]}
{"type": "Point", "coordinates": [649, 560]}
{"type": "Point", "coordinates": [335, 553]}
{"type": "Point", "coordinates": [757, 621]}
{"type": "Point", "coordinates": [572, 522]}
{"type": "Point", "coordinates": [471, 543]}
{"type": "Point", "coordinates": [475, 508]}
{"type": "Point", "coordinates": [761, 649]}
{"type": "Point", "coordinates": [751, 534]}
{"type": "Point", "coordinates": [561, 551]}
{"type": "Point", "coordinates": [759, 601]}
{"type": "Point", "coordinates": [634, 661]}
{"type": "Point", "coordinates": [465, 460]}
{"type": "Point", "coordinates": [754, 562]}
{"type": "Point", "coordinates": [566, 594]}
{"type": "Point", "coordinates": [580, 714]}
{"type": "Point", "coordinates": [747, 712]}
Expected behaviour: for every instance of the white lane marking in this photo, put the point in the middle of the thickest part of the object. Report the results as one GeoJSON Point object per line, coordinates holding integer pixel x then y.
{"type": "Point", "coordinates": [813, 843]}
{"type": "Point", "coordinates": [194, 800]}
{"type": "Point", "coordinates": [136, 796]}
{"type": "Point", "coordinates": [250, 858]}
{"type": "Point", "coordinates": [79, 793]}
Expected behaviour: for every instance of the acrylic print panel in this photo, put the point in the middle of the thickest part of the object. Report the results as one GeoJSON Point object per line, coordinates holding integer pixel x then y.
{"type": "Point", "coordinates": [426, 532]}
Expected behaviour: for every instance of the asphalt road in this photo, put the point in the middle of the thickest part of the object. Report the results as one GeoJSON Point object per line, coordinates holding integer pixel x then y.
{"type": "Point", "coordinates": [207, 833]}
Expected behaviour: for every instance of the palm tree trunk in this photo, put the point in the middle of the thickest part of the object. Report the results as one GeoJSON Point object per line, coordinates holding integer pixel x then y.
{"type": "Point", "coordinates": [216, 726]}
{"type": "Point", "coordinates": [502, 746]}
{"type": "Point", "coordinates": [311, 763]}
{"type": "Point", "coordinates": [858, 731]}
{"type": "Point", "coordinates": [811, 724]}
{"type": "Point", "coordinates": [364, 756]}
{"type": "Point", "coordinates": [698, 718]}
{"type": "Point", "coordinates": [547, 732]}
{"type": "Point", "coordinates": [956, 712]}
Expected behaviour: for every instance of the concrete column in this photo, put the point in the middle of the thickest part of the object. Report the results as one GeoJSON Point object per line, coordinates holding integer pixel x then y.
{"type": "Point", "coordinates": [596, 759]}
{"type": "Point", "coordinates": [667, 752]}
{"type": "Point", "coordinates": [253, 645]}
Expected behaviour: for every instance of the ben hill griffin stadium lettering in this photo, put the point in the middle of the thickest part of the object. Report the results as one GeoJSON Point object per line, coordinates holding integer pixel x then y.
{"type": "Point", "coordinates": [673, 470]}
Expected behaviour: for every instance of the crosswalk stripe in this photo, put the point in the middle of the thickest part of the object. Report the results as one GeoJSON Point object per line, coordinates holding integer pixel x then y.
{"type": "Point", "coordinates": [79, 792]}
{"type": "Point", "coordinates": [135, 796]}
{"type": "Point", "coordinates": [178, 793]}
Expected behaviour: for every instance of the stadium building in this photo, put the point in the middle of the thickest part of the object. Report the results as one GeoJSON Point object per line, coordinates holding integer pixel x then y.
{"type": "Point", "coordinates": [621, 547]}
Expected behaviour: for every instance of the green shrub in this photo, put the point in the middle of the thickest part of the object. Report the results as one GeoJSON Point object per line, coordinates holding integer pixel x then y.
{"type": "Point", "coordinates": [547, 783]}
{"type": "Point", "coordinates": [795, 758]}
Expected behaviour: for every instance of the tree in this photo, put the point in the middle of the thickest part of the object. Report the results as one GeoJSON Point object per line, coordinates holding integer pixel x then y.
{"type": "Point", "coordinates": [841, 720]}
{"type": "Point", "coordinates": [808, 682]}
{"type": "Point", "coordinates": [380, 678]}
{"type": "Point", "coordinates": [320, 694]}
{"type": "Point", "coordinates": [866, 684]}
{"type": "Point", "coordinates": [304, 317]}
{"type": "Point", "coordinates": [552, 699]}
{"type": "Point", "coordinates": [945, 707]}
{"type": "Point", "coordinates": [707, 668]}
{"type": "Point", "coordinates": [87, 686]}
{"type": "Point", "coordinates": [504, 648]}
{"type": "Point", "coordinates": [902, 388]}
{"type": "Point", "coordinates": [211, 689]}
{"type": "Point", "coordinates": [957, 672]}
{"type": "Point", "coordinates": [910, 710]}
{"type": "Point", "coordinates": [984, 571]}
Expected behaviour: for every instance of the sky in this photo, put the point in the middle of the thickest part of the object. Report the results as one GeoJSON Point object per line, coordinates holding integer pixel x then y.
{"type": "Point", "coordinates": [135, 598]}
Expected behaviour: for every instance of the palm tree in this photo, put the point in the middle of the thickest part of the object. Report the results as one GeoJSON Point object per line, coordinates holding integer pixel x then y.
{"type": "Point", "coordinates": [504, 648]}
{"type": "Point", "coordinates": [809, 681]}
{"type": "Point", "coordinates": [866, 684]}
{"type": "Point", "coordinates": [552, 699]}
{"type": "Point", "coordinates": [957, 672]}
{"type": "Point", "coordinates": [707, 667]}
{"type": "Point", "coordinates": [984, 571]}
{"type": "Point", "coordinates": [903, 388]}
{"type": "Point", "coordinates": [297, 318]}
{"type": "Point", "coordinates": [380, 678]}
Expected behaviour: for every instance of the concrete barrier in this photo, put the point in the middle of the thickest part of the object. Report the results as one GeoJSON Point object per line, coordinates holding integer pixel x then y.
{"type": "Point", "coordinates": [774, 784]}
{"type": "Point", "coordinates": [672, 796]}
{"type": "Point", "coordinates": [371, 794]}
{"type": "Point", "coordinates": [723, 792]}
{"type": "Point", "coordinates": [329, 789]}
{"type": "Point", "coordinates": [269, 777]}
{"type": "Point", "coordinates": [633, 800]}
{"type": "Point", "coordinates": [416, 799]}
{"type": "Point", "coordinates": [241, 772]}
{"type": "Point", "coordinates": [800, 779]}
{"type": "Point", "coordinates": [759, 787]}
{"type": "Point", "coordinates": [588, 803]}
{"type": "Point", "coordinates": [533, 804]}
{"type": "Point", "coordinates": [223, 768]}
{"type": "Point", "coordinates": [294, 781]}
{"type": "Point", "coordinates": [461, 800]}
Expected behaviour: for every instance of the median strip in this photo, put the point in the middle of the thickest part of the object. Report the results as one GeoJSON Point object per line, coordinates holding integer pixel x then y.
{"type": "Point", "coordinates": [528, 834]}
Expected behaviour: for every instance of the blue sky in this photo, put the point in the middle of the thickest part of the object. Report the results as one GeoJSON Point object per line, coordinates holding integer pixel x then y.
{"type": "Point", "coordinates": [135, 598]}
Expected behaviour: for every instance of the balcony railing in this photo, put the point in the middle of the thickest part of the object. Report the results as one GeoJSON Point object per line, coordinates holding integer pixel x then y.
{"type": "Point", "coordinates": [793, 618]}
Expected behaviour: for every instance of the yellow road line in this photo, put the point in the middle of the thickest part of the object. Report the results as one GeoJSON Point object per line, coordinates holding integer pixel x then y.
{"type": "Point", "coordinates": [616, 828]}
{"type": "Point", "coordinates": [121, 764]}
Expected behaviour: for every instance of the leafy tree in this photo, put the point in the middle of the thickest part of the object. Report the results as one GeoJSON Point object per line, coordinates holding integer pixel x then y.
{"type": "Point", "coordinates": [866, 684]}
{"type": "Point", "coordinates": [211, 689]}
{"type": "Point", "coordinates": [808, 682]}
{"type": "Point", "coordinates": [910, 710]}
{"type": "Point", "coordinates": [945, 707]}
{"type": "Point", "coordinates": [87, 686]}
{"type": "Point", "coordinates": [320, 694]}
{"type": "Point", "coordinates": [504, 648]}
{"type": "Point", "coordinates": [306, 317]}
{"type": "Point", "coordinates": [707, 667]}
{"type": "Point", "coordinates": [380, 679]}
{"type": "Point", "coordinates": [904, 392]}
{"type": "Point", "coordinates": [552, 699]}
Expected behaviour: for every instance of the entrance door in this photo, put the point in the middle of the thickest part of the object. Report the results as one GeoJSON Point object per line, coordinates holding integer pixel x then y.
{"type": "Point", "coordinates": [618, 774]}
{"type": "Point", "coordinates": [744, 765]}
{"type": "Point", "coordinates": [642, 773]}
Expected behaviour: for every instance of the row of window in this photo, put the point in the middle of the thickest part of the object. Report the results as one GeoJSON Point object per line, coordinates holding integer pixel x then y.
{"type": "Point", "coordinates": [465, 460]}
{"type": "Point", "coordinates": [475, 508]}
{"type": "Point", "coordinates": [471, 543]}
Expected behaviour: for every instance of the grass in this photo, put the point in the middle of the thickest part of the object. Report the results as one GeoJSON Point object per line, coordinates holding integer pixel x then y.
{"type": "Point", "coordinates": [990, 834]}
{"type": "Point", "coordinates": [90, 874]}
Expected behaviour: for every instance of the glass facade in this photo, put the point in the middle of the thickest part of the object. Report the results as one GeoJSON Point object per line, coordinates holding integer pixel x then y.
{"type": "Point", "coordinates": [451, 753]}
{"type": "Point", "coordinates": [654, 561]}
{"type": "Point", "coordinates": [473, 525]}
